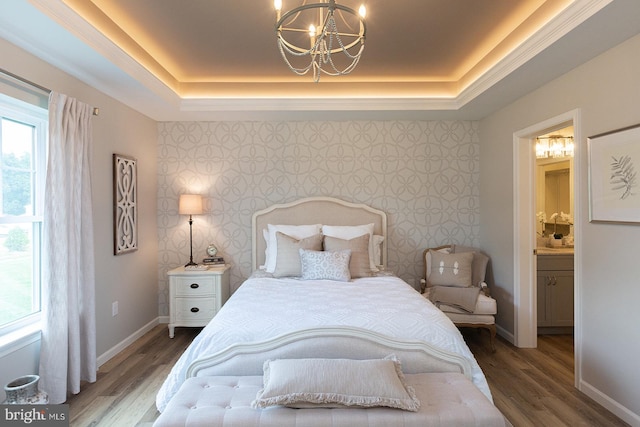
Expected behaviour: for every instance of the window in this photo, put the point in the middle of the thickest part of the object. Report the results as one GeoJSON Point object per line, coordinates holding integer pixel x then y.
{"type": "Point", "coordinates": [23, 142]}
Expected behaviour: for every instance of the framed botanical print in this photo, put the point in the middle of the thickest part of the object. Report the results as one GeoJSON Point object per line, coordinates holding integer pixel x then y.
{"type": "Point", "coordinates": [125, 204]}
{"type": "Point", "coordinates": [614, 191]}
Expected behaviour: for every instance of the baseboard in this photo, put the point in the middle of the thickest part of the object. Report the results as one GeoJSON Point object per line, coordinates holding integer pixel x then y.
{"type": "Point", "coordinates": [614, 407]}
{"type": "Point", "coordinates": [505, 334]}
{"type": "Point", "coordinates": [163, 320]}
{"type": "Point", "coordinates": [107, 355]}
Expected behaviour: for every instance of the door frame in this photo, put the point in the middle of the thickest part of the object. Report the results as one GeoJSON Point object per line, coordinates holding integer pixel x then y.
{"type": "Point", "coordinates": [524, 233]}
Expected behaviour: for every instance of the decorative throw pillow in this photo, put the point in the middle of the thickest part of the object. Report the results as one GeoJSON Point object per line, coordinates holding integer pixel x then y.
{"type": "Point", "coordinates": [288, 257]}
{"type": "Point", "coordinates": [450, 269]}
{"type": "Point", "coordinates": [325, 265]}
{"type": "Point", "coordinates": [335, 383]}
{"type": "Point", "coordinates": [479, 264]}
{"type": "Point", "coordinates": [359, 263]}
{"type": "Point", "coordinates": [347, 232]}
{"type": "Point", "coordinates": [295, 231]}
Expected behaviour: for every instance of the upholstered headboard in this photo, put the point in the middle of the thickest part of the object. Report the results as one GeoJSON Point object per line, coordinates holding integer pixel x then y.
{"type": "Point", "coordinates": [315, 210]}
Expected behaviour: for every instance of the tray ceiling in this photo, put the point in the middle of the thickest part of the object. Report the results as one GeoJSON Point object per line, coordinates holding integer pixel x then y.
{"type": "Point", "coordinates": [186, 59]}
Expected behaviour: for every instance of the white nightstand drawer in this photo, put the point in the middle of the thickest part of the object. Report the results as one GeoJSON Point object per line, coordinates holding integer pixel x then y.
{"type": "Point", "coordinates": [195, 286]}
{"type": "Point", "coordinates": [195, 309]}
{"type": "Point", "coordinates": [196, 296]}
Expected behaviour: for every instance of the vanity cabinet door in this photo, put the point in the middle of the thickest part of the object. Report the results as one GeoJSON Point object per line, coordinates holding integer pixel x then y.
{"type": "Point", "coordinates": [544, 281]}
{"type": "Point", "coordinates": [561, 299]}
{"type": "Point", "coordinates": [555, 298]}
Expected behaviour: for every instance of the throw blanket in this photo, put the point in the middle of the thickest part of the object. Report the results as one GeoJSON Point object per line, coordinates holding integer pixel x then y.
{"type": "Point", "coordinates": [464, 298]}
{"type": "Point", "coordinates": [264, 308]}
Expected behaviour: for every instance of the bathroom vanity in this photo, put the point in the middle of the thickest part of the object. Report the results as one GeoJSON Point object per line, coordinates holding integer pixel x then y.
{"type": "Point", "coordinates": [555, 290]}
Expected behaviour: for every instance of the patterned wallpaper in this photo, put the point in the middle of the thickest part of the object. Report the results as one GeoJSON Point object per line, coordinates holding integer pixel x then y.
{"type": "Point", "coordinates": [424, 174]}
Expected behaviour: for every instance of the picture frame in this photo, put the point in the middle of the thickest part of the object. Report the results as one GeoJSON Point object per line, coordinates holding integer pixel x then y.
{"type": "Point", "coordinates": [125, 204]}
{"type": "Point", "coordinates": [614, 186]}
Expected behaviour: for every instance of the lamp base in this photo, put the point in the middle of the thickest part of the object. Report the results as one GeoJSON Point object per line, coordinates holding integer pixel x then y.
{"type": "Point", "coordinates": [190, 263]}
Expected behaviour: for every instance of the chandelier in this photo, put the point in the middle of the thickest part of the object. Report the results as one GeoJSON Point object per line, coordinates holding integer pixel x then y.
{"type": "Point", "coordinates": [554, 146]}
{"type": "Point", "coordinates": [309, 39]}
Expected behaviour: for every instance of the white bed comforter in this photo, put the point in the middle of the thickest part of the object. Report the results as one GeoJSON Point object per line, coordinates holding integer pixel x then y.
{"type": "Point", "coordinates": [264, 308]}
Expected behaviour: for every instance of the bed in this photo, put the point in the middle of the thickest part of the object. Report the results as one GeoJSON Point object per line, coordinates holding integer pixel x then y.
{"type": "Point", "coordinates": [370, 317]}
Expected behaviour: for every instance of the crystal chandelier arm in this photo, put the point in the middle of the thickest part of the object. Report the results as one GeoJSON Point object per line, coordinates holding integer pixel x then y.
{"type": "Point", "coordinates": [325, 41]}
{"type": "Point", "coordinates": [280, 23]}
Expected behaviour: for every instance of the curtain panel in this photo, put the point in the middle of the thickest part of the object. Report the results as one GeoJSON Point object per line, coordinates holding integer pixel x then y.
{"type": "Point", "coordinates": [68, 347]}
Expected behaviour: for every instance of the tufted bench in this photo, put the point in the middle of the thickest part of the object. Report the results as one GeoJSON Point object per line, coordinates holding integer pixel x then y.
{"type": "Point", "coordinates": [447, 399]}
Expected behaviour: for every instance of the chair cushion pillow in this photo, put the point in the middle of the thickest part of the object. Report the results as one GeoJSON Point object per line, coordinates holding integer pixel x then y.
{"type": "Point", "coordinates": [479, 264]}
{"type": "Point", "coordinates": [450, 269]}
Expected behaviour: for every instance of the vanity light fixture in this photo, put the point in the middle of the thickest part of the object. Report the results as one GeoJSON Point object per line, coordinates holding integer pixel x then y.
{"type": "Point", "coordinates": [309, 39]}
{"type": "Point", "coordinates": [554, 146]}
{"type": "Point", "coordinates": [190, 204]}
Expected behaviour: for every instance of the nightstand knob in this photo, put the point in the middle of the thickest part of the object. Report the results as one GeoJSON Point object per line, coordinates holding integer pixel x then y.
{"type": "Point", "coordinates": [195, 309]}
{"type": "Point", "coordinates": [194, 286]}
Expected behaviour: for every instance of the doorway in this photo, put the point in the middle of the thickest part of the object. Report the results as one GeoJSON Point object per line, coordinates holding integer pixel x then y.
{"type": "Point", "coordinates": [525, 222]}
{"type": "Point", "coordinates": [555, 241]}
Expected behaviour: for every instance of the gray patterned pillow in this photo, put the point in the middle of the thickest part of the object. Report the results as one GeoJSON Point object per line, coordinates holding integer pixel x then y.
{"type": "Point", "coordinates": [325, 265]}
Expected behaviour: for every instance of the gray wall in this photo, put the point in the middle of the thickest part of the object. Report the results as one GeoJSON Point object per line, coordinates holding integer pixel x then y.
{"type": "Point", "coordinates": [606, 90]}
{"type": "Point", "coordinates": [130, 279]}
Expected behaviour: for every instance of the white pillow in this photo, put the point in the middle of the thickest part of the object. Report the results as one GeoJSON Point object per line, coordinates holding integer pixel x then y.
{"type": "Point", "coordinates": [348, 232]}
{"type": "Point", "coordinates": [377, 249]}
{"type": "Point", "coordinates": [319, 265]}
{"type": "Point", "coordinates": [295, 231]}
{"type": "Point", "coordinates": [335, 383]}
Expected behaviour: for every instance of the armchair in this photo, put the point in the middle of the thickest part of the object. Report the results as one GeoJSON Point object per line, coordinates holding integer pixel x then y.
{"type": "Point", "coordinates": [454, 280]}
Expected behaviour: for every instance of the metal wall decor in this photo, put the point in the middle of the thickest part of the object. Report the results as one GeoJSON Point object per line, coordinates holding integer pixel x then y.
{"type": "Point", "coordinates": [125, 204]}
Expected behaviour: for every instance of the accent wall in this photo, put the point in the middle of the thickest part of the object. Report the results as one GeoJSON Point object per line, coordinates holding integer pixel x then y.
{"type": "Point", "coordinates": [423, 174]}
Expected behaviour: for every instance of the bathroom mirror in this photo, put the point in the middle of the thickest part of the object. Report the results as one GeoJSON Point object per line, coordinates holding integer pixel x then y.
{"type": "Point", "coordinates": [557, 197]}
{"type": "Point", "coordinates": [554, 194]}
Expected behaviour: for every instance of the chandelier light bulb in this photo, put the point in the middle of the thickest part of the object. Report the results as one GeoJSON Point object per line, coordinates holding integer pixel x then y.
{"type": "Point", "coordinates": [362, 11]}
{"type": "Point", "coordinates": [278, 5]}
{"type": "Point", "coordinates": [312, 30]}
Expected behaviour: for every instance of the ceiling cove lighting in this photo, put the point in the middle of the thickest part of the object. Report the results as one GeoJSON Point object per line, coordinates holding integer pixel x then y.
{"type": "Point", "coordinates": [554, 146]}
{"type": "Point", "coordinates": [309, 39]}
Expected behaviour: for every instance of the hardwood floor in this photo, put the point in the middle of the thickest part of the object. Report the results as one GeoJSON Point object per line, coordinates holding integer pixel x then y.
{"type": "Point", "coordinates": [125, 392]}
{"type": "Point", "coordinates": [532, 387]}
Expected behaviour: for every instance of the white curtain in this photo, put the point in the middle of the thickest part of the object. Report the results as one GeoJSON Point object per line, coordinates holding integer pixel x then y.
{"type": "Point", "coordinates": [68, 348]}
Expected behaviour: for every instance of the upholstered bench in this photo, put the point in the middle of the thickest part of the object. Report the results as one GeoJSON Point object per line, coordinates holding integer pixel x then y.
{"type": "Point", "coordinates": [446, 399]}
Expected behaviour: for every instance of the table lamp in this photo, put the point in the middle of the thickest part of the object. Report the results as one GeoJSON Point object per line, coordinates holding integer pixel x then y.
{"type": "Point", "coordinates": [190, 204]}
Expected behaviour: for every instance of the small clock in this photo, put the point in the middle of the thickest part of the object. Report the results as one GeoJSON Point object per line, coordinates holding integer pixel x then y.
{"type": "Point", "coordinates": [212, 250]}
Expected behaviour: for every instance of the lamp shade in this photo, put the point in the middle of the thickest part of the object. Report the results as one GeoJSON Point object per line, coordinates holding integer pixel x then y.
{"type": "Point", "coordinates": [190, 204]}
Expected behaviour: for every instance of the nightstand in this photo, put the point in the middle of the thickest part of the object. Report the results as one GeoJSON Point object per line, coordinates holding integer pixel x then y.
{"type": "Point", "coordinates": [195, 296]}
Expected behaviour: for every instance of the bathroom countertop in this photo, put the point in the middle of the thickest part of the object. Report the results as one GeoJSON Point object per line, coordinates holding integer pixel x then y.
{"type": "Point", "coordinates": [554, 251]}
